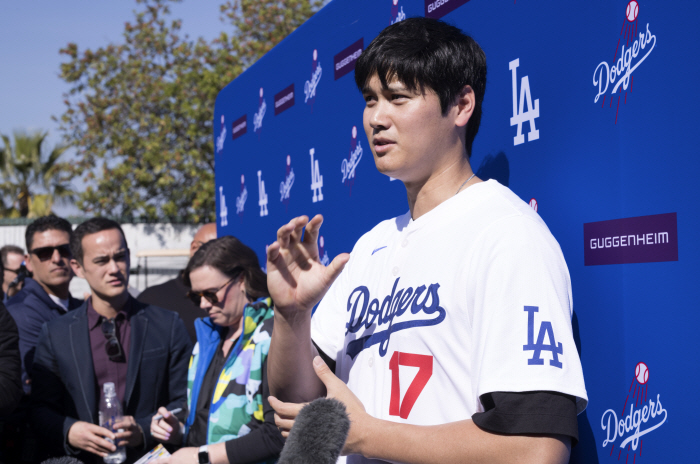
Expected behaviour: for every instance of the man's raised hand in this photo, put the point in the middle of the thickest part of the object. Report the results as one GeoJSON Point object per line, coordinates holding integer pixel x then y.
{"type": "Point", "coordinates": [295, 276]}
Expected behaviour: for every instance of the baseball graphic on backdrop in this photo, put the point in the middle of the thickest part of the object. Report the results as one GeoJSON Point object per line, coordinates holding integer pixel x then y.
{"type": "Point", "coordinates": [533, 204]}
{"type": "Point", "coordinates": [642, 373]}
{"type": "Point", "coordinates": [632, 11]}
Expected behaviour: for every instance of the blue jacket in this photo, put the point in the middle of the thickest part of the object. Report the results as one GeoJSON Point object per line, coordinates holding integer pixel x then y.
{"type": "Point", "coordinates": [30, 308]}
{"type": "Point", "coordinates": [64, 385]}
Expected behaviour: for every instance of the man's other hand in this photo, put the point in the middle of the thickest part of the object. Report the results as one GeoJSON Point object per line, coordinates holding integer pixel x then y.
{"type": "Point", "coordinates": [132, 435]}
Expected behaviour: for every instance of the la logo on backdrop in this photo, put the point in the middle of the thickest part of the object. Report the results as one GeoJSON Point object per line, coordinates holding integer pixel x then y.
{"type": "Point", "coordinates": [286, 184]}
{"type": "Point", "coordinates": [260, 114]}
{"type": "Point", "coordinates": [397, 13]}
{"type": "Point", "coordinates": [316, 178]}
{"type": "Point", "coordinates": [644, 415]}
{"type": "Point", "coordinates": [348, 166]}
{"type": "Point", "coordinates": [633, 46]}
{"type": "Point", "coordinates": [311, 85]}
{"type": "Point", "coordinates": [222, 136]}
{"type": "Point", "coordinates": [522, 115]}
{"type": "Point", "coordinates": [262, 196]}
{"type": "Point", "coordinates": [241, 198]}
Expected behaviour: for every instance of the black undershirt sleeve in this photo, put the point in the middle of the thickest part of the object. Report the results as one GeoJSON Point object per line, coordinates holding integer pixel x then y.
{"type": "Point", "coordinates": [533, 412]}
{"type": "Point", "coordinates": [327, 359]}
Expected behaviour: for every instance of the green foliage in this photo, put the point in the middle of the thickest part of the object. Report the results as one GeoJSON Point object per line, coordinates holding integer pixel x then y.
{"type": "Point", "coordinates": [32, 179]}
{"type": "Point", "coordinates": [139, 113]}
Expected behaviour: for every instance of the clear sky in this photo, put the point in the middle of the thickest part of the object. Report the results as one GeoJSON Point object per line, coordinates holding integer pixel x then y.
{"type": "Point", "coordinates": [33, 31]}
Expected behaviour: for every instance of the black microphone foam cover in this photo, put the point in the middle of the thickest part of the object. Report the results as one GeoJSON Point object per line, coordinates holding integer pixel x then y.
{"type": "Point", "coordinates": [318, 434]}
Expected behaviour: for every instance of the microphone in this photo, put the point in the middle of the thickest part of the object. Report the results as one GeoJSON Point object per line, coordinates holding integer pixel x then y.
{"type": "Point", "coordinates": [318, 434]}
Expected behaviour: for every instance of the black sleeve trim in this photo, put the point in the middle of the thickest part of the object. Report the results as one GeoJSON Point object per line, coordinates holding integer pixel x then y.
{"type": "Point", "coordinates": [327, 359]}
{"type": "Point", "coordinates": [533, 412]}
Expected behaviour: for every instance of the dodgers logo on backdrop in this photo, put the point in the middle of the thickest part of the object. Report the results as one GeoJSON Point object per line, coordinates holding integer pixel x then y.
{"type": "Point", "coordinates": [366, 311]}
{"type": "Point", "coordinates": [286, 184]}
{"type": "Point", "coordinates": [520, 115]}
{"type": "Point", "coordinates": [262, 196]}
{"type": "Point", "coordinates": [316, 179]}
{"type": "Point", "coordinates": [260, 114]}
{"type": "Point", "coordinates": [322, 253]}
{"type": "Point", "coordinates": [241, 198]}
{"type": "Point", "coordinates": [632, 48]}
{"type": "Point", "coordinates": [311, 85]}
{"type": "Point", "coordinates": [397, 13]}
{"type": "Point", "coordinates": [348, 166]}
{"type": "Point", "coordinates": [223, 211]}
{"type": "Point", "coordinates": [222, 136]}
{"type": "Point", "coordinates": [644, 415]}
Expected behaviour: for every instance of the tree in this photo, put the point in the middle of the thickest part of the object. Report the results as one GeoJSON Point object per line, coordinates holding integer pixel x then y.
{"type": "Point", "coordinates": [140, 113]}
{"type": "Point", "coordinates": [33, 180]}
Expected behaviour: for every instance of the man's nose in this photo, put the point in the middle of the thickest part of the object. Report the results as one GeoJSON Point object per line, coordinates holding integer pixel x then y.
{"type": "Point", "coordinates": [379, 116]}
{"type": "Point", "coordinates": [56, 257]}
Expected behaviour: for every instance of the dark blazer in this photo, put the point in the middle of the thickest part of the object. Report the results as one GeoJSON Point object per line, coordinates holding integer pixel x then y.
{"type": "Point", "coordinates": [30, 308]}
{"type": "Point", "coordinates": [10, 379]}
{"type": "Point", "coordinates": [64, 388]}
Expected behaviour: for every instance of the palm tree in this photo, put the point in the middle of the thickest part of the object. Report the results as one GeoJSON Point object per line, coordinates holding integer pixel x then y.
{"type": "Point", "coordinates": [32, 180]}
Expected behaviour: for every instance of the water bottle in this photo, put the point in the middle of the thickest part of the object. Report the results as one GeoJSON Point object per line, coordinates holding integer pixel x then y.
{"type": "Point", "coordinates": [111, 412]}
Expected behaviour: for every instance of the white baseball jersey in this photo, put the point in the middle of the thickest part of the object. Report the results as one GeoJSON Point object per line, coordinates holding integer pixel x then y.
{"type": "Point", "coordinates": [428, 315]}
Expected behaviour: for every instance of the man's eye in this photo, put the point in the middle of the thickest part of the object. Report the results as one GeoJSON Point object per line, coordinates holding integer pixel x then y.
{"type": "Point", "coordinates": [398, 96]}
{"type": "Point", "coordinates": [369, 98]}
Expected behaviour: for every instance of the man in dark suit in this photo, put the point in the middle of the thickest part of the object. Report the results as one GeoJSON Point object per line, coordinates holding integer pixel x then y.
{"type": "Point", "coordinates": [142, 349]}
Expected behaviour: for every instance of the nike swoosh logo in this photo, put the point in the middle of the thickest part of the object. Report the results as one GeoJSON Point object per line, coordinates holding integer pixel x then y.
{"type": "Point", "coordinates": [377, 249]}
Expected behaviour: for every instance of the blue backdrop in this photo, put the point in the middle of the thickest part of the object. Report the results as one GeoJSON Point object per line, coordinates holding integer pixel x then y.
{"type": "Point", "coordinates": [604, 92]}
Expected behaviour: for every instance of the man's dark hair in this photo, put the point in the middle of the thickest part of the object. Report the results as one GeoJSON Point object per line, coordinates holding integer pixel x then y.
{"type": "Point", "coordinates": [50, 222]}
{"type": "Point", "coordinates": [89, 227]}
{"type": "Point", "coordinates": [6, 250]}
{"type": "Point", "coordinates": [232, 258]}
{"type": "Point", "coordinates": [424, 52]}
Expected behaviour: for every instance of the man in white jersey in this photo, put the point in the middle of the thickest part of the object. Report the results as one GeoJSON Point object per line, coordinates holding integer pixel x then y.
{"type": "Point", "coordinates": [448, 329]}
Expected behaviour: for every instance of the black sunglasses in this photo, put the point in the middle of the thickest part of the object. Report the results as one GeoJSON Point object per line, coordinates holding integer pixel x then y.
{"type": "Point", "coordinates": [209, 295]}
{"type": "Point", "coordinates": [113, 347]}
{"type": "Point", "coordinates": [45, 253]}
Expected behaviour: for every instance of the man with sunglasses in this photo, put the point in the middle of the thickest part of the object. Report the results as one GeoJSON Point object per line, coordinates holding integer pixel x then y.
{"type": "Point", "coordinates": [45, 295]}
{"type": "Point", "coordinates": [12, 258]}
{"type": "Point", "coordinates": [142, 349]}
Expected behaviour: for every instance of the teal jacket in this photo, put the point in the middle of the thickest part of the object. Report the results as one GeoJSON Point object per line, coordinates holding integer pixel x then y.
{"type": "Point", "coordinates": [237, 398]}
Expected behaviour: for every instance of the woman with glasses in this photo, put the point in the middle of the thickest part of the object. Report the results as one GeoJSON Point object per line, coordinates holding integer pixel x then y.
{"type": "Point", "coordinates": [229, 418]}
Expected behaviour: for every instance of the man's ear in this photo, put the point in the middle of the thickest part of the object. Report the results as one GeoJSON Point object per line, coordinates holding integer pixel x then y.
{"type": "Point", "coordinates": [28, 263]}
{"type": "Point", "coordinates": [77, 268]}
{"type": "Point", "coordinates": [466, 100]}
